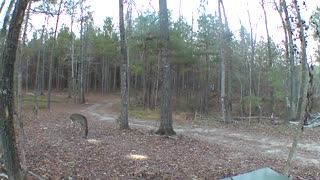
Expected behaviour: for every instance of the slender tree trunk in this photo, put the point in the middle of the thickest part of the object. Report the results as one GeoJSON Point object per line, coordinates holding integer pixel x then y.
{"type": "Point", "coordinates": [6, 19]}
{"type": "Point", "coordinates": [225, 50]}
{"type": "Point", "coordinates": [124, 81]}
{"type": "Point", "coordinates": [43, 67]}
{"type": "Point", "coordinates": [51, 57]}
{"type": "Point", "coordinates": [73, 78]}
{"type": "Point", "coordinates": [27, 75]}
{"type": "Point", "coordinates": [293, 83]}
{"type": "Point", "coordinates": [157, 81]}
{"type": "Point", "coordinates": [2, 5]}
{"type": "Point", "coordinates": [82, 53]}
{"type": "Point", "coordinates": [252, 41]}
{"type": "Point", "coordinates": [269, 58]}
{"type": "Point", "coordinates": [166, 111]}
{"type": "Point", "coordinates": [304, 64]}
{"type": "Point", "coordinates": [287, 55]}
{"type": "Point", "coordinates": [7, 94]}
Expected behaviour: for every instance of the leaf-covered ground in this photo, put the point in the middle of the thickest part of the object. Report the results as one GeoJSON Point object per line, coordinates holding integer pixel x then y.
{"type": "Point", "coordinates": [55, 150]}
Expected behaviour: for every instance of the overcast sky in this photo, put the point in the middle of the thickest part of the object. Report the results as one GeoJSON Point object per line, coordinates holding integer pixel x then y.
{"type": "Point", "coordinates": [236, 10]}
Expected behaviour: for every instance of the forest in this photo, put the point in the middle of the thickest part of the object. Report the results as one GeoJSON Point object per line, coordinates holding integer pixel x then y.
{"type": "Point", "coordinates": [146, 78]}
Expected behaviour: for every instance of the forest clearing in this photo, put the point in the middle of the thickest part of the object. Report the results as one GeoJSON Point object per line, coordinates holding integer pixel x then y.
{"type": "Point", "coordinates": [55, 151]}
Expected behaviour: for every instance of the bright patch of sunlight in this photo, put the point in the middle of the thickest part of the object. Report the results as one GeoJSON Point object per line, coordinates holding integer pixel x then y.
{"type": "Point", "coordinates": [94, 141]}
{"type": "Point", "coordinates": [136, 156]}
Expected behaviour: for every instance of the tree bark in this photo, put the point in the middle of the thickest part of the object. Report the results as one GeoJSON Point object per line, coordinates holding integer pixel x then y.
{"type": "Point", "coordinates": [23, 136]}
{"type": "Point", "coordinates": [2, 5]}
{"type": "Point", "coordinates": [124, 78]}
{"type": "Point", "coordinates": [166, 110]}
{"type": "Point", "coordinates": [225, 52]}
{"type": "Point", "coordinates": [304, 65]}
{"type": "Point", "coordinates": [7, 94]}
{"type": "Point", "coordinates": [293, 82]}
{"type": "Point", "coordinates": [7, 18]}
{"type": "Point", "coordinates": [269, 58]}
{"type": "Point", "coordinates": [51, 57]}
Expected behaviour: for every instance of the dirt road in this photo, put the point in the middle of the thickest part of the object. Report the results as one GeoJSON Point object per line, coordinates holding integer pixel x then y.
{"type": "Point", "coordinates": [243, 143]}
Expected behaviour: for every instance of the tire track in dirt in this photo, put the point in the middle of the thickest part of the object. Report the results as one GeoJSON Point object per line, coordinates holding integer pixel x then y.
{"type": "Point", "coordinates": [307, 153]}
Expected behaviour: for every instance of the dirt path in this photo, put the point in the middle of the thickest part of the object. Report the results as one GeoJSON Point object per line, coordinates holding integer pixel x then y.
{"type": "Point", "coordinates": [243, 143]}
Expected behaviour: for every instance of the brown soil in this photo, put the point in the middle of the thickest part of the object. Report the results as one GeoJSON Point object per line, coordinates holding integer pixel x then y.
{"type": "Point", "coordinates": [55, 150]}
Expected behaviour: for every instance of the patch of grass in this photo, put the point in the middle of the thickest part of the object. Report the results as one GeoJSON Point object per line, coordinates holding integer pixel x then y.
{"type": "Point", "coordinates": [144, 114]}
{"type": "Point", "coordinates": [42, 98]}
{"type": "Point", "coordinates": [41, 105]}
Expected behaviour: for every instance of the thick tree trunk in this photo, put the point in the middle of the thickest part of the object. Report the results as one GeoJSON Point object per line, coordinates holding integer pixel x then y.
{"type": "Point", "coordinates": [166, 111]}
{"type": "Point", "coordinates": [7, 94]}
{"type": "Point", "coordinates": [123, 69]}
{"type": "Point", "coordinates": [23, 136]}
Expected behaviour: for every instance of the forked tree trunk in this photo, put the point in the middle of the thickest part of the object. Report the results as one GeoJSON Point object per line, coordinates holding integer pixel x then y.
{"type": "Point", "coordinates": [7, 93]}
{"type": "Point", "coordinates": [166, 111]}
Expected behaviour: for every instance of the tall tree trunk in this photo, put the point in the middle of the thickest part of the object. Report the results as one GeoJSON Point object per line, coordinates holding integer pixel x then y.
{"type": "Point", "coordinates": [20, 97]}
{"type": "Point", "coordinates": [269, 58]}
{"type": "Point", "coordinates": [166, 112]}
{"type": "Point", "coordinates": [43, 67]}
{"type": "Point", "coordinates": [252, 41]}
{"type": "Point", "coordinates": [225, 50]}
{"type": "Point", "coordinates": [287, 56]}
{"type": "Point", "coordinates": [293, 83]}
{"type": "Point", "coordinates": [82, 51]}
{"type": "Point", "coordinates": [7, 94]}
{"type": "Point", "coordinates": [73, 78]}
{"type": "Point", "coordinates": [51, 57]}
{"type": "Point", "coordinates": [124, 81]}
{"type": "Point", "coordinates": [37, 87]}
{"type": "Point", "coordinates": [303, 63]}
{"type": "Point", "coordinates": [128, 33]}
